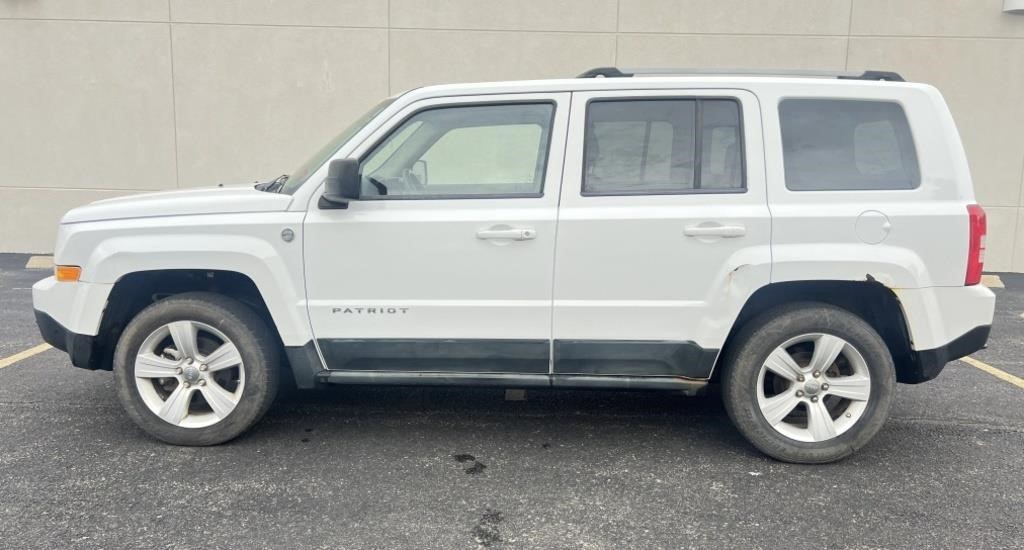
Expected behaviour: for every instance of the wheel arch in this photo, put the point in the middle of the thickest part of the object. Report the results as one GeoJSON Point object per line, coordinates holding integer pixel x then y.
{"type": "Point", "coordinates": [134, 291]}
{"type": "Point", "coordinates": [872, 301]}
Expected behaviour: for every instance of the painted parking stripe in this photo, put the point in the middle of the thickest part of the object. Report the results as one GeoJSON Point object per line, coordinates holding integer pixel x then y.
{"type": "Point", "coordinates": [8, 361]}
{"type": "Point", "coordinates": [992, 281]}
{"type": "Point", "coordinates": [1000, 374]}
{"type": "Point", "coordinates": [39, 262]}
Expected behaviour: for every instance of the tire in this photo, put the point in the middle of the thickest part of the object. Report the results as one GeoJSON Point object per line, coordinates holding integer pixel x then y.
{"type": "Point", "coordinates": [752, 368]}
{"type": "Point", "coordinates": [235, 365]}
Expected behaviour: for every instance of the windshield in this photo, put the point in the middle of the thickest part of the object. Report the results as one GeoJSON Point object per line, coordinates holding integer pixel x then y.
{"type": "Point", "coordinates": [302, 173]}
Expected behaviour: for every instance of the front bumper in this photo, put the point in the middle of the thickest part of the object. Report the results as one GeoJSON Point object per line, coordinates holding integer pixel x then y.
{"type": "Point", "coordinates": [78, 346]}
{"type": "Point", "coordinates": [76, 306]}
{"type": "Point", "coordinates": [68, 316]}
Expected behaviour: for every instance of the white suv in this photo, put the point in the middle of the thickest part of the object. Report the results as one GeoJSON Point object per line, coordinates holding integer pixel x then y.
{"type": "Point", "coordinates": [806, 240]}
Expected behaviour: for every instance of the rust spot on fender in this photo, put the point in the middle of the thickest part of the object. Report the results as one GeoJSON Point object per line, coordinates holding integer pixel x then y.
{"type": "Point", "coordinates": [728, 278]}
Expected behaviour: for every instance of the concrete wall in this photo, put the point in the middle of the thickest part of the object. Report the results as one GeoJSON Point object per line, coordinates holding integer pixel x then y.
{"type": "Point", "coordinates": [106, 97]}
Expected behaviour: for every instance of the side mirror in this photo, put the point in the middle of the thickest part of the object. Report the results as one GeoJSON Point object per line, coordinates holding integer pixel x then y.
{"type": "Point", "coordinates": [343, 184]}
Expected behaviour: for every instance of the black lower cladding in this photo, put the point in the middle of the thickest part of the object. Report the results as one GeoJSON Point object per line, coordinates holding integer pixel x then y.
{"type": "Point", "coordinates": [634, 358]}
{"type": "Point", "coordinates": [926, 364]}
{"type": "Point", "coordinates": [305, 364]}
{"type": "Point", "coordinates": [78, 346]}
{"type": "Point", "coordinates": [437, 355]}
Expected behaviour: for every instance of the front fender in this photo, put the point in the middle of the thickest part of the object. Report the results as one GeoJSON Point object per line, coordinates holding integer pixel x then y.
{"type": "Point", "coordinates": [255, 250]}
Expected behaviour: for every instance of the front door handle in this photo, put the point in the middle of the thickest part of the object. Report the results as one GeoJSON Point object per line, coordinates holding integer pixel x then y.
{"type": "Point", "coordinates": [724, 231]}
{"type": "Point", "coordinates": [506, 233]}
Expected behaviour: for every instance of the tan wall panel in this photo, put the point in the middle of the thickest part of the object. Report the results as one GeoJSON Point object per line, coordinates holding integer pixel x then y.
{"type": "Point", "coordinates": [28, 217]}
{"type": "Point", "coordinates": [794, 52]}
{"type": "Point", "coordinates": [983, 82]}
{"type": "Point", "coordinates": [254, 102]}
{"type": "Point", "coordinates": [255, 88]}
{"type": "Point", "coordinates": [1018, 244]}
{"type": "Point", "coordinates": [319, 13]}
{"type": "Point", "coordinates": [420, 58]}
{"type": "Point", "coordinates": [535, 15]}
{"type": "Point", "coordinates": [85, 104]}
{"type": "Point", "coordinates": [736, 16]}
{"type": "Point", "coordinates": [981, 18]}
{"type": "Point", "coordinates": [113, 10]}
{"type": "Point", "coordinates": [1020, 200]}
{"type": "Point", "coordinates": [1000, 241]}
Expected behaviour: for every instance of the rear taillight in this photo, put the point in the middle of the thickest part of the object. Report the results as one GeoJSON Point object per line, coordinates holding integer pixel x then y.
{"type": "Point", "coordinates": [976, 249]}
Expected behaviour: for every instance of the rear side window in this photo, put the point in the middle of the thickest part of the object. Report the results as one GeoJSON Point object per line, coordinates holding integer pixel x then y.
{"type": "Point", "coordinates": [847, 145]}
{"type": "Point", "coordinates": [662, 146]}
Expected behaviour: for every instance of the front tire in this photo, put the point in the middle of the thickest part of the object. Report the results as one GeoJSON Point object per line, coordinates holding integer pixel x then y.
{"type": "Point", "coordinates": [196, 369]}
{"type": "Point", "coordinates": [808, 383]}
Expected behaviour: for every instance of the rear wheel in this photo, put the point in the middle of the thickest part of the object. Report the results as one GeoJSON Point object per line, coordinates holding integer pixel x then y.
{"type": "Point", "coordinates": [808, 383]}
{"type": "Point", "coordinates": [196, 369]}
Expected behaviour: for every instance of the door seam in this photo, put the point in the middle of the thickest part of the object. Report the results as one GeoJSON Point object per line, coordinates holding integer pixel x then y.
{"type": "Point", "coordinates": [558, 219]}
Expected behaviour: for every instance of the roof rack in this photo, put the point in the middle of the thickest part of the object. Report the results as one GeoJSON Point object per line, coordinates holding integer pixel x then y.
{"type": "Point", "coordinates": [614, 72]}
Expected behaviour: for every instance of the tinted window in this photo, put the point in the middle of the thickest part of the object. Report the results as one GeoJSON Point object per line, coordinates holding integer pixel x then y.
{"type": "Point", "coordinates": [662, 146]}
{"type": "Point", "coordinates": [720, 165]}
{"type": "Point", "coordinates": [833, 145]}
{"type": "Point", "coordinates": [463, 151]}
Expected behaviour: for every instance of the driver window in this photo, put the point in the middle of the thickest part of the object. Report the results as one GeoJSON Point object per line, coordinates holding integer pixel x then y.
{"type": "Point", "coordinates": [464, 151]}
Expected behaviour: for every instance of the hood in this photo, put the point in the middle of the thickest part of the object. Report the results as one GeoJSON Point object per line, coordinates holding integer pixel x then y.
{"type": "Point", "coordinates": [204, 200]}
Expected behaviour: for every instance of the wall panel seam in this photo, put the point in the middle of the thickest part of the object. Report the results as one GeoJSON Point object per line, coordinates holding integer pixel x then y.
{"type": "Point", "coordinates": [618, 27]}
{"type": "Point", "coordinates": [174, 97]}
{"type": "Point", "coordinates": [1020, 194]}
{"type": "Point", "coordinates": [849, 32]}
{"type": "Point", "coordinates": [387, 58]}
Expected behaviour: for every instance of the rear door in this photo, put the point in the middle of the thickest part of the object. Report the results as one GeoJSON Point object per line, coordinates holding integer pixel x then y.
{"type": "Point", "coordinates": [445, 264]}
{"type": "Point", "coordinates": [663, 230]}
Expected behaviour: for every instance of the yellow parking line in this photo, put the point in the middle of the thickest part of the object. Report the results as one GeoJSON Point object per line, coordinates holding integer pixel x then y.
{"type": "Point", "coordinates": [8, 361]}
{"type": "Point", "coordinates": [1000, 374]}
{"type": "Point", "coordinates": [992, 281]}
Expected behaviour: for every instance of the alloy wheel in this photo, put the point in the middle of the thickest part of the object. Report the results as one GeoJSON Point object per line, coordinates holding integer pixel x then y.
{"type": "Point", "coordinates": [813, 387]}
{"type": "Point", "coordinates": [189, 374]}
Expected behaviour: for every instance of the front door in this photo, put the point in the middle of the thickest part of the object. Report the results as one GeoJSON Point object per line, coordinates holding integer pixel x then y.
{"type": "Point", "coordinates": [445, 264]}
{"type": "Point", "coordinates": [663, 230]}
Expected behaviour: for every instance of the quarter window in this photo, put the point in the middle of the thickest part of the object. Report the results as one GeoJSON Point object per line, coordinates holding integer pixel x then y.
{"type": "Point", "coordinates": [464, 151]}
{"type": "Point", "coordinates": [847, 145]}
{"type": "Point", "coordinates": [662, 146]}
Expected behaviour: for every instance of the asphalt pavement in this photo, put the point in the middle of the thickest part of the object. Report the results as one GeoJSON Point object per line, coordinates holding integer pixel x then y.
{"type": "Point", "coordinates": [451, 468]}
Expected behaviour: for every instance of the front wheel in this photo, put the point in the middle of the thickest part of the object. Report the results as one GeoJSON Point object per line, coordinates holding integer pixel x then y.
{"type": "Point", "coordinates": [196, 369]}
{"type": "Point", "coordinates": [808, 383]}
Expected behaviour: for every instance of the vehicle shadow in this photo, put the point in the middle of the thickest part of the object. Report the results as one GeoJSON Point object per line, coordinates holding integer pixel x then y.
{"type": "Point", "coordinates": [481, 418]}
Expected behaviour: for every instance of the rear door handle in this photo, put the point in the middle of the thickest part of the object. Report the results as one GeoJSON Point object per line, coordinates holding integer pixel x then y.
{"type": "Point", "coordinates": [724, 231]}
{"type": "Point", "coordinates": [509, 234]}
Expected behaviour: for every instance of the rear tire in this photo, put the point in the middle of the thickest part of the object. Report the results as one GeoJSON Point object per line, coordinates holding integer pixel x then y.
{"type": "Point", "coordinates": [808, 383]}
{"type": "Point", "coordinates": [196, 369]}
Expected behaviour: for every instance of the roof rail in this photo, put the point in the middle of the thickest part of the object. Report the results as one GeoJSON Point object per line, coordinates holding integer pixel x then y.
{"type": "Point", "coordinates": [614, 72]}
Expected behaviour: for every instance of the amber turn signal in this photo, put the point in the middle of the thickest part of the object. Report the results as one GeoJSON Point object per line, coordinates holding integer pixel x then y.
{"type": "Point", "coordinates": [67, 273]}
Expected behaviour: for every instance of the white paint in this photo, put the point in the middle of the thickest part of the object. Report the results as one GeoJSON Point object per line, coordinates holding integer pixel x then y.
{"type": "Point", "coordinates": [627, 270]}
{"type": "Point", "coordinates": [425, 254]}
{"type": "Point", "coordinates": [621, 268]}
{"type": "Point", "coordinates": [211, 200]}
{"type": "Point", "coordinates": [938, 315]}
{"type": "Point", "coordinates": [1013, 6]}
